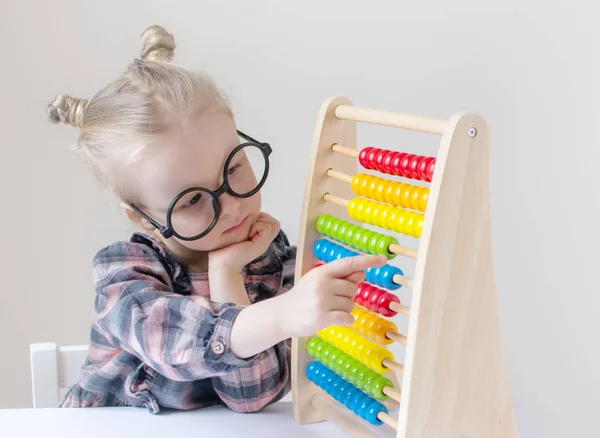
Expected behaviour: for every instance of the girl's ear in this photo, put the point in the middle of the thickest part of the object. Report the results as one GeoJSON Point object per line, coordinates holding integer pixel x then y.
{"type": "Point", "coordinates": [136, 218]}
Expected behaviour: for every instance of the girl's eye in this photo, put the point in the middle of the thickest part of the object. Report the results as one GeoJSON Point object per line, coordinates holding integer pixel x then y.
{"type": "Point", "coordinates": [232, 170]}
{"type": "Point", "coordinates": [194, 200]}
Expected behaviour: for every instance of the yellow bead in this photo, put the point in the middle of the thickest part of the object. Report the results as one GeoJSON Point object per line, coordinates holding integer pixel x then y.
{"type": "Point", "coordinates": [384, 218]}
{"type": "Point", "coordinates": [352, 208]}
{"type": "Point", "coordinates": [368, 213]}
{"type": "Point", "coordinates": [356, 180]}
{"type": "Point", "coordinates": [376, 215]}
{"type": "Point", "coordinates": [400, 223]}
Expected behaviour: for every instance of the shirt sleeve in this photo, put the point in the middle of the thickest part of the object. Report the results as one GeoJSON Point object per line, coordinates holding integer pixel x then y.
{"type": "Point", "coordinates": [184, 338]}
{"type": "Point", "coordinates": [267, 378]}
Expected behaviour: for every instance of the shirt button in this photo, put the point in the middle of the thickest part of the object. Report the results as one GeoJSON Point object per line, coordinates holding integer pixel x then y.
{"type": "Point", "coordinates": [217, 347]}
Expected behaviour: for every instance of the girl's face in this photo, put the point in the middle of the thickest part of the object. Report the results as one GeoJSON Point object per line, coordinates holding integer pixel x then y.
{"type": "Point", "coordinates": [197, 159]}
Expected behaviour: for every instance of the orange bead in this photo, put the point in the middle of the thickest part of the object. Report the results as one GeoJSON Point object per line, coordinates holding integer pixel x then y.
{"type": "Point", "coordinates": [364, 184]}
{"type": "Point", "coordinates": [356, 180]}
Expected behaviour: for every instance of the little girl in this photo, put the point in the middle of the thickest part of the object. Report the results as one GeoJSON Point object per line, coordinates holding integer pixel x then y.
{"type": "Point", "coordinates": [197, 308]}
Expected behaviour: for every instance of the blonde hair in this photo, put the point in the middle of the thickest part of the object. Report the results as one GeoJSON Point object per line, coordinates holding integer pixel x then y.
{"type": "Point", "coordinates": [152, 97]}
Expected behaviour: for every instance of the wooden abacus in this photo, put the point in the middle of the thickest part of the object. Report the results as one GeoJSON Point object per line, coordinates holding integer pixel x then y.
{"type": "Point", "coordinates": [454, 382]}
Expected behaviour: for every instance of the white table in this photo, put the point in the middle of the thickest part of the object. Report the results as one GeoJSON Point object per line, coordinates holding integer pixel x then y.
{"type": "Point", "coordinates": [274, 421]}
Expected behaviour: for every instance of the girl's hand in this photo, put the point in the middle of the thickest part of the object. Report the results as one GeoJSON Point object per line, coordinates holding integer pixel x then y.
{"type": "Point", "coordinates": [235, 257]}
{"type": "Point", "coordinates": [324, 296]}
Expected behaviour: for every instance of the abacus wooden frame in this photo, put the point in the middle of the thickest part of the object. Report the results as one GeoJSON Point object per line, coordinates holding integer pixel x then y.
{"type": "Point", "coordinates": [455, 382]}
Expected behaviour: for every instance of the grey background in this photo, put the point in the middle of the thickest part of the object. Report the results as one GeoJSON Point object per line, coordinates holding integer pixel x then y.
{"type": "Point", "coordinates": [530, 68]}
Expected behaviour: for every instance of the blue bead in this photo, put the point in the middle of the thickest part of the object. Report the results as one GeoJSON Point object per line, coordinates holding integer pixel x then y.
{"type": "Point", "coordinates": [387, 275]}
{"type": "Point", "coordinates": [362, 408]}
{"type": "Point", "coordinates": [372, 410]}
{"type": "Point", "coordinates": [350, 396]}
{"type": "Point", "coordinates": [369, 275]}
{"type": "Point", "coordinates": [357, 401]}
{"type": "Point", "coordinates": [342, 390]}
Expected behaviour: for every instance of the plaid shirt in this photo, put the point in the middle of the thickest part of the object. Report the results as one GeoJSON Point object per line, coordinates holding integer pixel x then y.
{"type": "Point", "coordinates": [158, 341]}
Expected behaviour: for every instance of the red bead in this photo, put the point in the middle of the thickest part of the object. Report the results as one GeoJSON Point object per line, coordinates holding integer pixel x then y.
{"type": "Point", "coordinates": [371, 156]}
{"type": "Point", "coordinates": [404, 165]}
{"type": "Point", "coordinates": [387, 163]}
{"type": "Point", "coordinates": [413, 166]}
{"type": "Point", "coordinates": [359, 292]}
{"type": "Point", "coordinates": [396, 163]}
{"type": "Point", "coordinates": [423, 168]}
{"type": "Point", "coordinates": [364, 295]}
{"type": "Point", "coordinates": [383, 305]}
{"type": "Point", "coordinates": [362, 157]}
{"type": "Point", "coordinates": [379, 159]}
{"type": "Point", "coordinates": [430, 170]}
{"type": "Point", "coordinates": [374, 298]}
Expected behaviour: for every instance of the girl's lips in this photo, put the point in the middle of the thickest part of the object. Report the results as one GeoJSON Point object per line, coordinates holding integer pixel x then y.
{"type": "Point", "coordinates": [238, 226]}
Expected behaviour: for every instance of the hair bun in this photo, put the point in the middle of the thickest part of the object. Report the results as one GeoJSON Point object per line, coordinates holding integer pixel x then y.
{"type": "Point", "coordinates": [67, 109]}
{"type": "Point", "coordinates": [158, 44]}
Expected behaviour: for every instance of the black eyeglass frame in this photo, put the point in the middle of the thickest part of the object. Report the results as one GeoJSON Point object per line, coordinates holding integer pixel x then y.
{"type": "Point", "coordinates": [167, 231]}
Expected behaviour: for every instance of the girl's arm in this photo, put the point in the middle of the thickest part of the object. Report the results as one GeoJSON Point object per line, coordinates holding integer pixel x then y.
{"type": "Point", "coordinates": [182, 337]}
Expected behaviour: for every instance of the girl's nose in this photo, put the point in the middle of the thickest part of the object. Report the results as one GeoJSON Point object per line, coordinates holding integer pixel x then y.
{"type": "Point", "coordinates": [230, 205]}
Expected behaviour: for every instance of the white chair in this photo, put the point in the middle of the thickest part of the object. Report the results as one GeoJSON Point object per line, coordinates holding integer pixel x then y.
{"type": "Point", "coordinates": [54, 368]}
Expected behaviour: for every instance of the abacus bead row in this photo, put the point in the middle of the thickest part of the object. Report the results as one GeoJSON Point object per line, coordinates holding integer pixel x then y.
{"type": "Point", "coordinates": [385, 216]}
{"type": "Point", "coordinates": [348, 368]}
{"type": "Point", "coordinates": [372, 326]}
{"type": "Point", "coordinates": [382, 276]}
{"type": "Point", "coordinates": [392, 192]}
{"type": "Point", "coordinates": [356, 236]}
{"type": "Point", "coordinates": [345, 393]}
{"type": "Point", "coordinates": [375, 299]}
{"type": "Point", "coordinates": [366, 352]}
{"type": "Point", "coordinates": [397, 163]}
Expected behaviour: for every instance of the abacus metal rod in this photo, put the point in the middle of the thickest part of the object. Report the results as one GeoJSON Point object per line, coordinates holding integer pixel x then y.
{"type": "Point", "coordinates": [393, 248]}
{"type": "Point", "coordinates": [396, 120]}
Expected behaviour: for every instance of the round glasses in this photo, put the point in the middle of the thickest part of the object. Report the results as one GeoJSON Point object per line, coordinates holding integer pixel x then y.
{"type": "Point", "coordinates": [195, 211]}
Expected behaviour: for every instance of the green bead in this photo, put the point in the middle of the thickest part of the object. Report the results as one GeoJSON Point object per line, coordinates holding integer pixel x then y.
{"type": "Point", "coordinates": [364, 242]}
{"type": "Point", "coordinates": [319, 350]}
{"type": "Point", "coordinates": [339, 365]}
{"type": "Point", "coordinates": [384, 244]}
{"type": "Point", "coordinates": [342, 230]}
{"type": "Point", "coordinates": [347, 368]}
{"type": "Point", "coordinates": [310, 347]}
{"type": "Point", "coordinates": [321, 223]}
{"type": "Point", "coordinates": [363, 373]}
{"type": "Point", "coordinates": [333, 357]}
{"type": "Point", "coordinates": [369, 381]}
{"type": "Point", "coordinates": [328, 225]}
{"type": "Point", "coordinates": [337, 223]}
{"type": "Point", "coordinates": [378, 385]}
{"type": "Point", "coordinates": [350, 234]}
{"type": "Point", "coordinates": [356, 239]}
{"type": "Point", "coordinates": [326, 353]}
{"type": "Point", "coordinates": [373, 242]}
{"type": "Point", "coordinates": [355, 367]}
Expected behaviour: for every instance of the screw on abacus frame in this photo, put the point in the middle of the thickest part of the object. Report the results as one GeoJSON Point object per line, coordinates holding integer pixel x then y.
{"type": "Point", "coordinates": [472, 132]}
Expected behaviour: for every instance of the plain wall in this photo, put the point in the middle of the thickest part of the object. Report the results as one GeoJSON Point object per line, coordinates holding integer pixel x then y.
{"type": "Point", "coordinates": [530, 68]}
